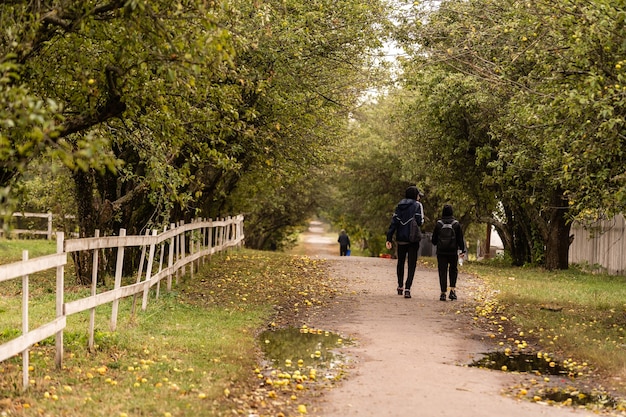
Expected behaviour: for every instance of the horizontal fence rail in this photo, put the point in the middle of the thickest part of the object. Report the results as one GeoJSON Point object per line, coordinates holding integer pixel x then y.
{"type": "Point", "coordinates": [34, 229]}
{"type": "Point", "coordinates": [164, 256]}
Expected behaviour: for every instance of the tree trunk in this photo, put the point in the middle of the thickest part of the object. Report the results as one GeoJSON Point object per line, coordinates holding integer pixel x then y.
{"type": "Point", "coordinates": [86, 224]}
{"type": "Point", "coordinates": [557, 243]}
{"type": "Point", "coordinates": [516, 237]}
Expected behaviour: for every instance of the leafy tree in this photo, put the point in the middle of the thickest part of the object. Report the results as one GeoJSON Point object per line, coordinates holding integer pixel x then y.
{"type": "Point", "coordinates": [559, 82]}
{"type": "Point", "coordinates": [315, 60]}
{"type": "Point", "coordinates": [369, 175]}
{"type": "Point", "coordinates": [102, 62]}
{"type": "Point", "coordinates": [23, 116]}
{"type": "Point", "coordinates": [162, 110]}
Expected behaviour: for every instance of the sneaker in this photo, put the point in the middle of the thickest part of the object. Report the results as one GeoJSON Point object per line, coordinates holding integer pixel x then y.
{"type": "Point", "coordinates": [407, 294]}
{"type": "Point", "coordinates": [400, 290]}
{"type": "Point", "coordinates": [442, 297]}
{"type": "Point", "coordinates": [452, 295]}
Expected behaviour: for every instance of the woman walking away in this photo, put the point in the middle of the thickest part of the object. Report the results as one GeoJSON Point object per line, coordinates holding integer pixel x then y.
{"type": "Point", "coordinates": [448, 237]}
{"type": "Point", "coordinates": [405, 223]}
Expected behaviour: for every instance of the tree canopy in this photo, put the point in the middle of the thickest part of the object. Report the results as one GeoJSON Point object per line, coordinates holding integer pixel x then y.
{"type": "Point", "coordinates": [550, 123]}
{"type": "Point", "coordinates": [166, 110]}
{"type": "Point", "coordinates": [514, 111]}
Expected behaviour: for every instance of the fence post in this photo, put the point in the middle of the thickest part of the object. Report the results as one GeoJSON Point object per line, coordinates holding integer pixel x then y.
{"type": "Point", "coordinates": [241, 234]}
{"type": "Point", "coordinates": [222, 234]}
{"type": "Point", "coordinates": [58, 358]}
{"type": "Point", "coordinates": [94, 282]}
{"type": "Point", "coordinates": [191, 248]}
{"type": "Point", "coordinates": [144, 303]}
{"type": "Point", "coordinates": [139, 272]}
{"type": "Point", "coordinates": [218, 236]}
{"type": "Point", "coordinates": [231, 233]}
{"type": "Point", "coordinates": [142, 259]}
{"type": "Point", "coordinates": [197, 241]}
{"type": "Point", "coordinates": [25, 353]}
{"type": "Point", "coordinates": [204, 241]}
{"type": "Point", "coordinates": [183, 249]}
{"type": "Point", "coordinates": [170, 258]}
{"type": "Point", "coordinates": [119, 267]}
{"type": "Point", "coordinates": [210, 241]}
{"type": "Point", "coordinates": [179, 255]}
{"type": "Point", "coordinates": [49, 235]}
{"type": "Point", "coordinates": [158, 288]}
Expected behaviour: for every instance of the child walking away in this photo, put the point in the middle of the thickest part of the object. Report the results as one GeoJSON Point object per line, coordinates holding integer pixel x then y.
{"type": "Point", "coordinates": [448, 237]}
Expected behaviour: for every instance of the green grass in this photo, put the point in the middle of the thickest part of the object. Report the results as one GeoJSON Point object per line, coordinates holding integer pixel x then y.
{"type": "Point", "coordinates": [194, 351]}
{"type": "Point", "coordinates": [173, 359]}
{"type": "Point", "coordinates": [573, 314]}
{"type": "Point", "coordinates": [11, 249]}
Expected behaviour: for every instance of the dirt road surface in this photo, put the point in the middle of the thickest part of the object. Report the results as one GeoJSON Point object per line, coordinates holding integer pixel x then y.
{"type": "Point", "coordinates": [411, 355]}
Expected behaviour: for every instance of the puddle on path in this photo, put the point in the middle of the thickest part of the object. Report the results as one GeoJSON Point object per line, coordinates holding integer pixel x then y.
{"type": "Point", "coordinates": [543, 364]}
{"type": "Point", "coordinates": [521, 362]}
{"type": "Point", "coordinates": [577, 398]}
{"type": "Point", "coordinates": [303, 348]}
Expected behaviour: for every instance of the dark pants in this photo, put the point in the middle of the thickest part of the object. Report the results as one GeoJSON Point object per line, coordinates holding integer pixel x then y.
{"type": "Point", "coordinates": [447, 264]}
{"type": "Point", "coordinates": [407, 251]}
{"type": "Point", "coordinates": [343, 250]}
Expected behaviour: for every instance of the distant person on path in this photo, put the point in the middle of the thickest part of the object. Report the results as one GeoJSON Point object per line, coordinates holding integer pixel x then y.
{"type": "Point", "coordinates": [407, 237]}
{"type": "Point", "coordinates": [344, 243]}
{"type": "Point", "coordinates": [448, 237]}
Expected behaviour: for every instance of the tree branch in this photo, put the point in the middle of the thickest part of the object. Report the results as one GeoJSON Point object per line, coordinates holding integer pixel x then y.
{"type": "Point", "coordinates": [114, 107]}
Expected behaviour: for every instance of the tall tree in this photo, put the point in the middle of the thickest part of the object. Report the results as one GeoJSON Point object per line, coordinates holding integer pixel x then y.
{"type": "Point", "coordinates": [163, 109]}
{"type": "Point", "coordinates": [562, 82]}
{"type": "Point", "coordinates": [315, 59]}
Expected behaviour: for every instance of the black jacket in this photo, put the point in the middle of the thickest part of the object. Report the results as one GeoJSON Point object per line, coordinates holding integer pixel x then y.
{"type": "Point", "coordinates": [405, 209]}
{"type": "Point", "coordinates": [458, 232]}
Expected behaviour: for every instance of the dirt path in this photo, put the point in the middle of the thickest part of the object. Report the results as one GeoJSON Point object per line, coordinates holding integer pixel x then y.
{"type": "Point", "coordinates": [411, 354]}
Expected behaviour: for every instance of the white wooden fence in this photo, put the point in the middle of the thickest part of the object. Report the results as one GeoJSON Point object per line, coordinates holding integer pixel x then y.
{"type": "Point", "coordinates": [185, 245]}
{"type": "Point", "coordinates": [47, 232]}
{"type": "Point", "coordinates": [603, 244]}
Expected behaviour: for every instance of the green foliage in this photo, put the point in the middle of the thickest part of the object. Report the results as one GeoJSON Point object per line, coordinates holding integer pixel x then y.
{"type": "Point", "coordinates": [314, 60]}
{"type": "Point", "coordinates": [45, 186]}
{"type": "Point", "coordinates": [26, 122]}
{"type": "Point", "coordinates": [528, 97]}
{"type": "Point", "coordinates": [446, 134]}
{"type": "Point", "coordinates": [177, 110]}
{"type": "Point", "coordinates": [368, 179]}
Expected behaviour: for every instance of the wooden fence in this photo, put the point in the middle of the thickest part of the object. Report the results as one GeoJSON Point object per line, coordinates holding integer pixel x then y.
{"type": "Point", "coordinates": [604, 244]}
{"type": "Point", "coordinates": [34, 229]}
{"type": "Point", "coordinates": [163, 256]}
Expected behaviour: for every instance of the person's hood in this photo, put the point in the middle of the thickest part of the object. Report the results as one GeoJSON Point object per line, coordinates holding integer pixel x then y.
{"type": "Point", "coordinates": [405, 204]}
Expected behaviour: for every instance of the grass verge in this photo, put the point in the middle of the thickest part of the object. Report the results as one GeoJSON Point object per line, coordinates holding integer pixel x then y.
{"type": "Point", "coordinates": [572, 318]}
{"type": "Point", "coordinates": [194, 351]}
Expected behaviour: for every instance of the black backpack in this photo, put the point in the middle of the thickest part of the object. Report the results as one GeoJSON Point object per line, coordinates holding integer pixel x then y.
{"type": "Point", "coordinates": [447, 237]}
{"type": "Point", "coordinates": [415, 233]}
